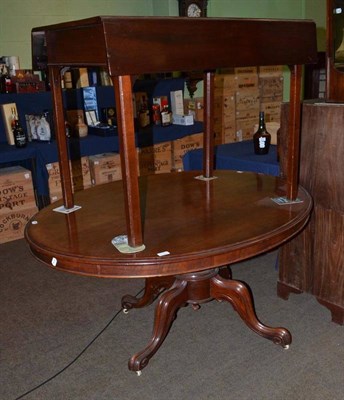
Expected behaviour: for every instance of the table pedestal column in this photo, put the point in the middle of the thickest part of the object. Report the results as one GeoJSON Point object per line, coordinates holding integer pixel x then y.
{"type": "Point", "coordinates": [195, 289]}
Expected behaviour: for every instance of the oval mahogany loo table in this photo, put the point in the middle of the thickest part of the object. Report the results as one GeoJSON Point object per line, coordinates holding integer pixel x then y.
{"type": "Point", "coordinates": [180, 231]}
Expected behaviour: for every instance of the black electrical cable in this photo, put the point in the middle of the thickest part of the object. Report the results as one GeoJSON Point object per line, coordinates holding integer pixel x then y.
{"type": "Point", "coordinates": [75, 358]}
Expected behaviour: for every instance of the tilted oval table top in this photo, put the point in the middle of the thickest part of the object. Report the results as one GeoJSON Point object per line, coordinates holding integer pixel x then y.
{"type": "Point", "coordinates": [201, 224]}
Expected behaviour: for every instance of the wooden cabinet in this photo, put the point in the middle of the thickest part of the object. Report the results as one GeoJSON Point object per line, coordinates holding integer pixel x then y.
{"type": "Point", "coordinates": [314, 261]}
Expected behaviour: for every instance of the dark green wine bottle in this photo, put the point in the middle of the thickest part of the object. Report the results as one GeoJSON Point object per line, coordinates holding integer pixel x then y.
{"type": "Point", "coordinates": [262, 138]}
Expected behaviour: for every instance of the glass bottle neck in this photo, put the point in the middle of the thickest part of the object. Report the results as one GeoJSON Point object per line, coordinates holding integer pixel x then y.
{"type": "Point", "coordinates": [261, 121]}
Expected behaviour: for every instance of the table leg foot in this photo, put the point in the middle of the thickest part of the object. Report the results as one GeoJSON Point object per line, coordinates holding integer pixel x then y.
{"type": "Point", "coordinates": [153, 287]}
{"type": "Point", "coordinates": [238, 294]}
{"type": "Point", "coordinates": [165, 313]}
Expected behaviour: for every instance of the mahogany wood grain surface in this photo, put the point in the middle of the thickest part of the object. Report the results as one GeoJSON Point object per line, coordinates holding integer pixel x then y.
{"type": "Point", "coordinates": [201, 224]}
{"type": "Point", "coordinates": [162, 45]}
{"type": "Point", "coordinates": [314, 261]}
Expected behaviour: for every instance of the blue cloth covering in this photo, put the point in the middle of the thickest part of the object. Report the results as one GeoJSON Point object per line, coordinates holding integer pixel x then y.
{"type": "Point", "coordinates": [238, 156]}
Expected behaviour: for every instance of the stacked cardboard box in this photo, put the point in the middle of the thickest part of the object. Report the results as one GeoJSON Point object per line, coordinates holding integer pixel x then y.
{"type": "Point", "coordinates": [182, 146]}
{"type": "Point", "coordinates": [80, 173]}
{"type": "Point", "coordinates": [155, 159]}
{"type": "Point", "coordinates": [17, 202]}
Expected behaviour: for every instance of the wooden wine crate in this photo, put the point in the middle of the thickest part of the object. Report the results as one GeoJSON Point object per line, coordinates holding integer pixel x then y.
{"type": "Point", "coordinates": [182, 146]}
{"type": "Point", "coordinates": [105, 168]}
{"type": "Point", "coordinates": [269, 71]}
{"type": "Point", "coordinates": [155, 159]}
{"type": "Point", "coordinates": [248, 113]}
{"type": "Point", "coordinates": [245, 128]}
{"type": "Point", "coordinates": [225, 83]}
{"type": "Point", "coordinates": [237, 78]}
{"type": "Point", "coordinates": [224, 105]}
{"type": "Point", "coordinates": [81, 177]}
{"type": "Point", "coordinates": [247, 99]}
{"type": "Point", "coordinates": [271, 87]}
{"type": "Point", "coordinates": [12, 223]}
{"type": "Point", "coordinates": [247, 82]}
{"type": "Point", "coordinates": [16, 189]}
{"type": "Point", "coordinates": [272, 111]}
{"type": "Point", "coordinates": [246, 70]}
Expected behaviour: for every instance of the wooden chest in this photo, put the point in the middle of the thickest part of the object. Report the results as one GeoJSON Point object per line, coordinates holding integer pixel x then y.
{"type": "Point", "coordinates": [314, 261]}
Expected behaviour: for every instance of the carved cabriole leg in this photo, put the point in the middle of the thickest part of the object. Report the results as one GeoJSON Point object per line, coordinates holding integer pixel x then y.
{"type": "Point", "coordinates": [239, 296]}
{"type": "Point", "coordinates": [153, 287]}
{"type": "Point", "coordinates": [226, 272]}
{"type": "Point", "coordinates": [165, 312]}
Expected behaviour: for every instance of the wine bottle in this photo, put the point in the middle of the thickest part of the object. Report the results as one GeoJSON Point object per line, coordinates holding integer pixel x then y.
{"type": "Point", "coordinates": [156, 117]}
{"type": "Point", "coordinates": [262, 138]}
{"type": "Point", "coordinates": [81, 129]}
{"type": "Point", "coordinates": [144, 119]}
{"type": "Point", "coordinates": [166, 114]}
{"type": "Point", "coordinates": [19, 135]}
{"type": "Point", "coordinates": [6, 82]}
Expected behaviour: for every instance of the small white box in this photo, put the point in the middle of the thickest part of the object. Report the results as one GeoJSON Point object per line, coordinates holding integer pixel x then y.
{"type": "Point", "coordinates": [182, 119]}
{"type": "Point", "coordinates": [177, 102]}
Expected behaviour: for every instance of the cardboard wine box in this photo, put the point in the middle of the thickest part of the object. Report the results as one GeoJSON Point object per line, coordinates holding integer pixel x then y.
{"type": "Point", "coordinates": [155, 159]}
{"type": "Point", "coordinates": [16, 189]}
{"type": "Point", "coordinates": [182, 146]}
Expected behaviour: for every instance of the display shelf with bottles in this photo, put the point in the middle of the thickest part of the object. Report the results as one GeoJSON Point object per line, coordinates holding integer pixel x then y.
{"type": "Point", "coordinates": [96, 142]}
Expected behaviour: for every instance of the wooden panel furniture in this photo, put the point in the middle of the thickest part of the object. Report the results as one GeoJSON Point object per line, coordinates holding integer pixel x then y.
{"type": "Point", "coordinates": [314, 261]}
{"type": "Point", "coordinates": [180, 229]}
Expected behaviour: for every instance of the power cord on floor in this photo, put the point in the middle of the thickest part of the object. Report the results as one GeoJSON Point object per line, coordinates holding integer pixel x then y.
{"type": "Point", "coordinates": [78, 356]}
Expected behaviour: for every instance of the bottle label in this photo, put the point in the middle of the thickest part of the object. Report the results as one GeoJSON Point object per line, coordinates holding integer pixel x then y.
{"type": "Point", "coordinates": [262, 142]}
{"type": "Point", "coordinates": [166, 118]}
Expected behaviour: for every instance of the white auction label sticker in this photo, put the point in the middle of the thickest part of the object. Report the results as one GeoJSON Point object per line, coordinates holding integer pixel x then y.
{"type": "Point", "coordinates": [163, 253]}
